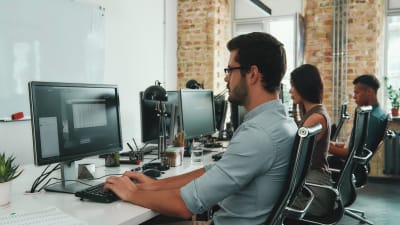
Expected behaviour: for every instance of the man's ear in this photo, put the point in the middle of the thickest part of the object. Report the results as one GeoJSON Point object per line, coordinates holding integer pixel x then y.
{"type": "Point", "coordinates": [254, 73]}
{"type": "Point", "coordinates": [370, 91]}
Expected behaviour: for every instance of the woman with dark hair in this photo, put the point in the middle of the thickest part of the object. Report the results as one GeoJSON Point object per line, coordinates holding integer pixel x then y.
{"type": "Point", "coordinates": [307, 91]}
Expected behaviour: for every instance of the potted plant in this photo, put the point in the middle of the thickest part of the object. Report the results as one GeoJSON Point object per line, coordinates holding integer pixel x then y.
{"type": "Point", "coordinates": [8, 172]}
{"type": "Point", "coordinates": [394, 98]}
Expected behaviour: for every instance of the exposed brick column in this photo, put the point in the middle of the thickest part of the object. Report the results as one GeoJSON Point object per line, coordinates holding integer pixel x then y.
{"type": "Point", "coordinates": [318, 20]}
{"type": "Point", "coordinates": [365, 30]}
{"type": "Point", "coordinates": [204, 27]}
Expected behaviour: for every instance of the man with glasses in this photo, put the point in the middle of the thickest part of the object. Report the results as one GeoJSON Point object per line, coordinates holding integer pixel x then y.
{"type": "Point", "coordinates": [248, 180]}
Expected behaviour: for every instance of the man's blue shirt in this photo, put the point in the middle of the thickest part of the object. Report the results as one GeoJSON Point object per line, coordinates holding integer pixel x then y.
{"type": "Point", "coordinates": [249, 179]}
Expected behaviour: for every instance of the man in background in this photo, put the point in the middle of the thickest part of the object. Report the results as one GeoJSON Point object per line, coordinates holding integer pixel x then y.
{"type": "Point", "coordinates": [365, 93]}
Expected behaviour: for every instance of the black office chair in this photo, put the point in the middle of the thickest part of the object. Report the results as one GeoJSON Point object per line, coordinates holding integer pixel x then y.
{"type": "Point", "coordinates": [362, 158]}
{"type": "Point", "coordinates": [362, 169]}
{"type": "Point", "coordinates": [336, 128]}
{"type": "Point", "coordinates": [358, 154]}
{"type": "Point", "coordinates": [300, 162]}
{"type": "Point", "coordinates": [332, 218]}
{"type": "Point", "coordinates": [344, 188]}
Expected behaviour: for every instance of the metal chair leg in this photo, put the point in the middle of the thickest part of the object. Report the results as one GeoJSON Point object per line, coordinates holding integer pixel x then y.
{"type": "Point", "coordinates": [361, 217]}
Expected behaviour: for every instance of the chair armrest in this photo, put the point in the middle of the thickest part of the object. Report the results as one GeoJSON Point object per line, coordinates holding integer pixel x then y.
{"type": "Point", "coordinates": [390, 134]}
{"type": "Point", "coordinates": [299, 213]}
{"type": "Point", "coordinates": [363, 159]}
{"type": "Point", "coordinates": [334, 190]}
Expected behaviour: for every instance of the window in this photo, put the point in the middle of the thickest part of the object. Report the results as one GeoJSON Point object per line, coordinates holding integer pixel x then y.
{"type": "Point", "coordinates": [392, 59]}
{"type": "Point", "coordinates": [288, 30]}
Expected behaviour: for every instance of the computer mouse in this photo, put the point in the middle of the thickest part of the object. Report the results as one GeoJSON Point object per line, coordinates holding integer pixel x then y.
{"type": "Point", "coordinates": [152, 172]}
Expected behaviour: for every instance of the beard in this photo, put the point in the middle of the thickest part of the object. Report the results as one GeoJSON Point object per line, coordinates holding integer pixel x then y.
{"type": "Point", "coordinates": [238, 94]}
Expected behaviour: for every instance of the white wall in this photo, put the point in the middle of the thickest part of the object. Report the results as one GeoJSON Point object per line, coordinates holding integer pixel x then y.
{"type": "Point", "coordinates": [136, 55]}
{"type": "Point", "coordinates": [137, 52]}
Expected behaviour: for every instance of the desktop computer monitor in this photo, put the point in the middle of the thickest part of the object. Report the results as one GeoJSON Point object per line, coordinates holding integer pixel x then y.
{"type": "Point", "coordinates": [71, 121]}
{"type": "Point", "coordinates": [150, 119]}
{"type": "Point", "coordinates": [237, 115]}
{"type": "Point", "coordinates": [197, 111]}
{"type": "Point", "coordinates": [220, 107]}
{"type": "Point", "coordinates": [238, 111]}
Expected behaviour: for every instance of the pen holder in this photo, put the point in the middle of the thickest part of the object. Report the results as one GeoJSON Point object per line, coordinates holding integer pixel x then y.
{"type": "Point", "coordinates": [175, 155]}
{"type": "Point", "coordinates": [112, 160]}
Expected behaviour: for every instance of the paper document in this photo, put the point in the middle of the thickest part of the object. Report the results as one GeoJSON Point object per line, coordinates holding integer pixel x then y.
{"type": "Point", "coordinates": [47, 216]}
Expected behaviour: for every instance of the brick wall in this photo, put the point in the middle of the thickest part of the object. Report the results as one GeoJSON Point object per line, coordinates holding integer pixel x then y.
{"type": "Point", "coordinates": [204, 27]}
{"type": "Point", "coordinates": [365, 36]}
{"type": "Point", "coordinates": [365, 28]}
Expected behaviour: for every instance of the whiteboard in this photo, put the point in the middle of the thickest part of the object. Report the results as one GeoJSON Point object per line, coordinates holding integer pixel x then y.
{"type": "Point", "coordinates": [47, 40]}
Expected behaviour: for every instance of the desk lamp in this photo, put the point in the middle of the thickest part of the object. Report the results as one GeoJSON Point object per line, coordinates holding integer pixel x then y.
{"type": "Point", "coordinates": [158, 94]}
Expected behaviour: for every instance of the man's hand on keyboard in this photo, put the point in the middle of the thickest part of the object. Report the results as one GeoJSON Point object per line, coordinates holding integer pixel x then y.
{"type": "Point", "coordinates": [139, 178]}
{"type": "Point", "coordinates": [121, 186]}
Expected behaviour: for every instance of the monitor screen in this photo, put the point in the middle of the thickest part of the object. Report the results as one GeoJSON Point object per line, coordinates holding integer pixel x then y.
{"type": "Point", "coordinates": [238, 111]}
{"type": "Point", "coordinates": [150, 119]}
{"type": "Point", "coordinates": [71, 121]}
{"type": "Point", "coordinates": [237, 115]}
{"type": "Point", "coordinates": [220, 107]}
{"type": "Point", "coordinates": [197, 111]}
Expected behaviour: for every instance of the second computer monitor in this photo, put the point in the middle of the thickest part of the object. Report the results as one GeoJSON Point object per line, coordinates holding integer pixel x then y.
{"type": "Point", "coordinates": [197, 112]}
{"type": "Point", "coordinates": [150, 118]}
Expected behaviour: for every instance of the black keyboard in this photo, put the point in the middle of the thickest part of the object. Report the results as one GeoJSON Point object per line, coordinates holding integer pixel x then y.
{"type": "Point", "coordinates": [95, 193]}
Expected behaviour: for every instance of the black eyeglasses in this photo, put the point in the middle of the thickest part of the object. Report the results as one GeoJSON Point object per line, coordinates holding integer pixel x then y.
{"type": "Point", "coordinates": [229, 70]}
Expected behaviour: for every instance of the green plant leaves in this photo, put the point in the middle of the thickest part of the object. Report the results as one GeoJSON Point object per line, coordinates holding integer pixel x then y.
{"type": "Point", "coordinates": [8, 169]}
{"type": "Point", "coordinates": [393, 94]}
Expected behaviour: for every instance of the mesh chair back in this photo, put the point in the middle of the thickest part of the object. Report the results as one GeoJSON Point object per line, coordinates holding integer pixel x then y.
{"type": "Point", "coordinates": [345, 184]}
{"type": "Point", "coordinates": [299, 164]}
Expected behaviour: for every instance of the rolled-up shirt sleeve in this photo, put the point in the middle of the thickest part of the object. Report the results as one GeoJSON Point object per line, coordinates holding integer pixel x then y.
{"type": "Point", "coordinates": [198, 196]}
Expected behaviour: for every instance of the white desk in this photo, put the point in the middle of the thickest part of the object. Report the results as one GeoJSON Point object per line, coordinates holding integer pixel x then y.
{"type": "Point", "coordinates": [118, 212]}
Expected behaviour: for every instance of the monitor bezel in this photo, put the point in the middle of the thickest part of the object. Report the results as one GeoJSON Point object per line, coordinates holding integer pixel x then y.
{"type": "Point", "coordinates": [189, 137]}
{"type": "Point", "coordinates": [38, 159]}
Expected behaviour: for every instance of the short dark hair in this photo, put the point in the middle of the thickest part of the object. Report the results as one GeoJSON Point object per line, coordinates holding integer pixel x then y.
{"type": "Point", "coordinates": [368, 80]}
{"type": "Point", "coordinates": [308, 83]}
{"type": "Point", "coordinates": [264, 51]}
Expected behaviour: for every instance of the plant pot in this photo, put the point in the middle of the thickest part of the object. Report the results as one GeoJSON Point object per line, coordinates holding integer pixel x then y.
{"type": "Point", "coordinates": [5, 193]}
{"type": "Point", "coordinates": [395, 112]}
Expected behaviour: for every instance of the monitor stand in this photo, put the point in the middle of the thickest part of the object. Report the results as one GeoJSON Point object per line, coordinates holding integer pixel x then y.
{"type": "Point", "coordinates": [68, 182]}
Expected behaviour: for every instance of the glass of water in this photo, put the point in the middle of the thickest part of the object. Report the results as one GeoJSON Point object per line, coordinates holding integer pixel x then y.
{"type": "Point", "coordinates": [196, 156]}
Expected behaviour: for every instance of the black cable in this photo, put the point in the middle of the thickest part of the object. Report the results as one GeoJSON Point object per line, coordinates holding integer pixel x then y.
{"type": "Point", "coordinates": [60, 180]}
{"type": "Point", "coordinates": [111, 174]}
{"type": "Point", "coordinates": [35, 182]}
{"type": "Point", "coordinates": [43, 176]}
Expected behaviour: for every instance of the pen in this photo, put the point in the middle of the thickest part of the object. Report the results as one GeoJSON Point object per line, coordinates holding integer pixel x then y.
{"type": "Point", "coordinates": [130, 146]}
